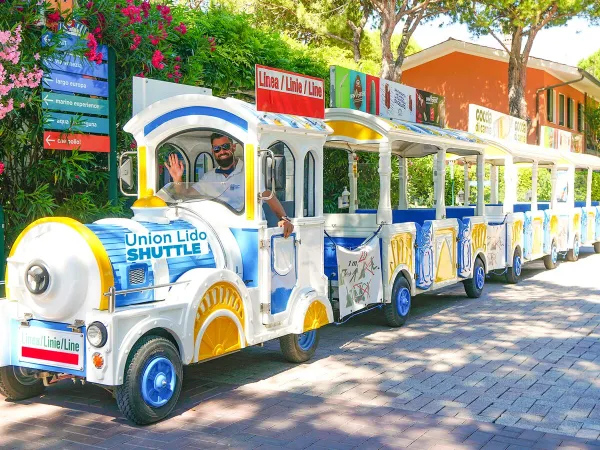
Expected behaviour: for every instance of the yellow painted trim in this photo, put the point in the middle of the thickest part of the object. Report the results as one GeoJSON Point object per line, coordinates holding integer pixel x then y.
{"type": "Point", "coordinates": [553, 225]}
{"type": "Point", "coordinates": [591, 226]}
{"type": "Point", "coordinates": [143, 174]}
{"type": "Point", "coordinates": [446, 267]}
{"type": "Point", "coordinates": [316, 316]}
{"type": "Point", "coordinates": [353, 131]}
{"type": "Point", "coordinates": [249, 158]}
{"type": "Point", "coordinates": [400, 252]}
{"type": "Point", "coordinates": [517, 232]}
{"type": "Point", "coordinates": [479, 237]}
{"type": "Point", "coordinates": [221, 338]}
{"type": "Point", "coordinates": [576, 222]}
{"type": "Point", "coordinates": [104, 266]}
{"type": "Point", "coordinates": [538, 235]}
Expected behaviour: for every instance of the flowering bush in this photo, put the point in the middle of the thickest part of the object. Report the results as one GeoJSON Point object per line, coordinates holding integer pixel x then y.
{"type": "Point", "coordinates": [16, 78]}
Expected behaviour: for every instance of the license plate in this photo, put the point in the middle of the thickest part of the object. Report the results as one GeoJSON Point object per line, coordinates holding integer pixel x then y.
{"type": "Point", "coordinates": [51, 347]}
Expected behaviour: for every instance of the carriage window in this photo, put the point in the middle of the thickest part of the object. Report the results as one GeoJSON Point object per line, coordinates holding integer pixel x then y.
{"type": "Point", "coordinates": [284, 167]}
{"type": "Point", "coordinates": [163, 153]}
{"type": "Point", "coordinates": [309, 185]}
{"type": "Point", "coordinates": [204, 163]}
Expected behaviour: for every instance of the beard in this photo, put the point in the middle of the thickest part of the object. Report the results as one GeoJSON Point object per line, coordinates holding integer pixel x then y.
{"type": "Point", "coordinates": [224, 163]}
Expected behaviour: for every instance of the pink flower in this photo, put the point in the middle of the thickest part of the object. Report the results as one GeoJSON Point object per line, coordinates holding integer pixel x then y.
{"type": "Point", "coordinates": [54, 17]}
{"type": "Point", "coordinates": [1, 167]}
{"type": "Point", "coordinates": [22, 105]}
{"type": "Point", "coordinates": [181, 28]}
{"type": "Point", "coordinates": [157, 60]}
{"type": "Point", "coordinates": [154, 40]}
{"type": "Point", "coordinates": [137, 40]}
{"type": "Point", "coordinates": [36, 56]}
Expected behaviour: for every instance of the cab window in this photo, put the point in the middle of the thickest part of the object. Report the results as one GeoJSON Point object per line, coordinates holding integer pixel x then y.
{"type": "Point", "coordinates": [284, 190]}
{"type": "Point", "coordinates": [309, 185]}
{"type": "Point", "coordinates": [204, 163]}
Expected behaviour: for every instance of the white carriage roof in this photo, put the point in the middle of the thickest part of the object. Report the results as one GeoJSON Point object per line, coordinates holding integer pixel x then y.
{"type": "Point", "coordinates": [197, 109]}
{"type": "Point", "coordinates": [581, 160]}
{"type": "Point", "coordinates": [363, 131]}
{"type": "Point", "coordinates": [520, 152]}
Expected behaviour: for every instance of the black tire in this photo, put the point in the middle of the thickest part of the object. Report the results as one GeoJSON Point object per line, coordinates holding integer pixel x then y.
{"type": "Point", "coordinates": [396, 312]}
{"type": "Point", "coordinates": [513, 274]}
{"type": "Point", "coordinates": [299, 348]}
{"type": "Point", "coordinates": [474, 286]}
{"type": "Point", "coordinates": [597, 247]}
{"type": "Point", "coordinates": [551, 260]}
{"type": "Point", "coordinates": [573, 254]}
{"type": "Point", "coordinates": [16, 383]}
{"type": "Point", "coordinates": [130, 399]}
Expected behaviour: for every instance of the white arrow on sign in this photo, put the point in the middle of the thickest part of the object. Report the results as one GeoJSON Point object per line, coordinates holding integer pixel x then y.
{"type": "Point", "coordinates": [48, 100]}
{"type": "Point", "coordinates": [48, 140]}
{"type": "Point", "coordinates": [46, 39]}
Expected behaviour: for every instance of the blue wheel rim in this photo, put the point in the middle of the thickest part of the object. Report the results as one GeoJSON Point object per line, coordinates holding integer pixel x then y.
{"type": "Point", "coordinates": [576, 248]}
{"type": "Point", "coordinates": [307, 340]}
{"type": "Point", "coordinates": [554, 254]}
{"type": "Point", "coordinates": [479, 277]}
{"type": "Point", "coordinates": [517, 265]}
{"type": "Point", "coordinates": [158, 382]}
{"type": "Point", "coordinates": [403, 302]}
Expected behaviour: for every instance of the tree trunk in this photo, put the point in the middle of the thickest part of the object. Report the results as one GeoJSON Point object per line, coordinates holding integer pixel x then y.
{"type": "Point", "coordinates": [517, 77]}
{"type": "Point", "coordinates": [388, 23]}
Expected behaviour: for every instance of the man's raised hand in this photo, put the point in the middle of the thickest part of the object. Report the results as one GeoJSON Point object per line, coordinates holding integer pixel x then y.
{"type": "Point", "coordinates": [175, 167]}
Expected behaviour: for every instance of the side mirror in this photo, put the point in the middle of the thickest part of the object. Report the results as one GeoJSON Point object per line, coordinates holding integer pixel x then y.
{"type": "Point", "coordinates": [127, 174]}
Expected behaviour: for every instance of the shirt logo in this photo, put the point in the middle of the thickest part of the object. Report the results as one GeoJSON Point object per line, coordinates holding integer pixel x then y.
{"type": "Point", "coordinates": [234, 187]}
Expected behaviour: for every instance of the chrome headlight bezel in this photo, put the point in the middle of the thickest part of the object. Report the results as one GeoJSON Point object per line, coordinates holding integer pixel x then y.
{"type": "Point", "coordinates": [98, 329]}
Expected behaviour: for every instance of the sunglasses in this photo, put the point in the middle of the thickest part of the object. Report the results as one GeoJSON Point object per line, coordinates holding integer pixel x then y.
{"type": "Point", "coordinates": [218, 148]}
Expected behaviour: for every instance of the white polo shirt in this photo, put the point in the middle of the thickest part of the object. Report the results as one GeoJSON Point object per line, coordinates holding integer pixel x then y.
{"type": "Point", "coordinates": [228, 189]}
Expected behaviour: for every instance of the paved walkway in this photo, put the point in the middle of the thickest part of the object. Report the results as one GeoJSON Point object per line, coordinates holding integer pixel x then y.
{"type": "Point", "coordinates": [517, 368]}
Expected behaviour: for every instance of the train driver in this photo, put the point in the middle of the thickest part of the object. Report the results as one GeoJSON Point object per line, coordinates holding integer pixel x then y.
{"type": "Point", "coordinates": [230, 177]}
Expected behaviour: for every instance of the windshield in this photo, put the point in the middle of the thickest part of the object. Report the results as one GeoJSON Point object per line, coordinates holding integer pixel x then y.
{"type": "Point", "coordinates": [229, 193]}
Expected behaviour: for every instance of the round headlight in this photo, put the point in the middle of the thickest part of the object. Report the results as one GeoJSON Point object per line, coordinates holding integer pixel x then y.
{"type": "Point", "coordinates": [97, 334]}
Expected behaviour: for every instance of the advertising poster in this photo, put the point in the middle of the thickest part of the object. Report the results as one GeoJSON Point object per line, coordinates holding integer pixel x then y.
{"type": "Point", "coordinates": [373, 95]}
{"type": "Point", "coordinates": [562, 186]}
{"type": "Point", "coordinates": [339, 83]}
{"type": "Point", "coordinates": [280, 91]}
{"type": "Point", "coordinates": [397, 101]}
{"type": "Point", "coordinates": [560, 139]}
{"type": "Point", "coordinates": [431, 108]}
{"type": "Point", "coordinates": [359, 277]}
{"type": "Point", "coordinates": [496, 124]}
{"type": "Point", "coordinates": [358, 91]}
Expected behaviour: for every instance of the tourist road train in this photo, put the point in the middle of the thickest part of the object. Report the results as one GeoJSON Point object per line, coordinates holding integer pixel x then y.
{"type": "Point", "coordinates": [126, 303]}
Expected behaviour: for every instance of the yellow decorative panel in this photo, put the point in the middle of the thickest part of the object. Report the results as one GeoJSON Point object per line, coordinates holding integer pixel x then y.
{"type": "Point", "coordinates": [353, 131]}
{"type": "Point", "coordinates": [249, 156]}
{"type": "Point", "coordinates": [517, 232]}
{"type": "Point", "coordinates": [576, 221]}
{"type": "Point", "coordinates": [316, 316]}
{"type": "Point", "coordinates": [445, 250]}
{"type": "Point", "coordinates": [222, 334]}
{"type": "Point", "coordinates": [554, 225]}
{"type": "Point", "coordinates": [479, 236]}
{"type": "Point", "coordinates": [591, 226]}
{"type": "Point", "coordinates": [538, 235]}
{"type": "Point", "coordinates": [400, 252]}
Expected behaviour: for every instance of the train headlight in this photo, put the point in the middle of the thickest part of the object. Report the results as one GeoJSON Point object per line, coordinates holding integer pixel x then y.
{"type": "Point", "coordinates": [97, 334]}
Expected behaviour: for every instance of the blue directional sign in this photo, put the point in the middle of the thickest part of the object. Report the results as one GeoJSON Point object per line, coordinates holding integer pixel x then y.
{"type": "Point", "coordinates": [72, 83]}
{"type": "Point", "coordinates": [68, 62]}
{"type": "Point", "coordinates": [74, 103]}
{"type": "Point", "coordinates": [68, 42]}
{"type": "Point", "coordinates": [85, 124]}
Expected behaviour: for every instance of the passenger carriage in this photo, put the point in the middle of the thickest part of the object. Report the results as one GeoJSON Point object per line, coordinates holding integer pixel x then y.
{"type": "Point", "coordinates": [422, 249]}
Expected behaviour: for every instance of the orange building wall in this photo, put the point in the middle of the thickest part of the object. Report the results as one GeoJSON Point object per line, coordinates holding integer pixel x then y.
{"type": "Point", "coordinates": [465, 79]}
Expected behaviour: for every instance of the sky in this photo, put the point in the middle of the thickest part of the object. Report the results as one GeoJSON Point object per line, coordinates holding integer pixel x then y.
{"type": "Point", "coordinates": [568, 44]}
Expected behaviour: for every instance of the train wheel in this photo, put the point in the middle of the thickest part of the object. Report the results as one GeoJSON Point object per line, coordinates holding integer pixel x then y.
{"type": "Point", "coordinates": [19, 383]}
{"type": "Point", "coordinates": [597, 247]}
{"type": "Point", "coordinates": [573, 254]}
{"type": "Point", "coordinates": [551, 260]}
{"type": "Point", "coordinates": [396, 312]}
{"type": "Point", "coordinates": [513, 274]}
{"type": "Point", "coordinates": [153, 378]}
{"type": "Point", "coordinates": [299, 348]}
{"type": "Point", "coordinates": [474, 286]}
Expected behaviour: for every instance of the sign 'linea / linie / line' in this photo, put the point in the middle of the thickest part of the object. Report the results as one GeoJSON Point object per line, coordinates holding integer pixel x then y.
{"type": "Point", "coordinates": [279, 91]}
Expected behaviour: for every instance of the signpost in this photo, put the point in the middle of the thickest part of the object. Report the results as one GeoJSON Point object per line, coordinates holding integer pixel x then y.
{"type": "Point", "coordinates": [79, 100]}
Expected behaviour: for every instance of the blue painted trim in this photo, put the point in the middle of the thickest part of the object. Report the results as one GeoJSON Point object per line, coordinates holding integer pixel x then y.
{"type": "Point", "coordinates": [247, 240]}
{"type": "Point", "coordinates": [465, 248]}
{"type": "Point", "coordinates": [196, 111]}
{"type": "Point", "coordinates": [424, 255]}
{"type": "Point", "coordinates": [14, 340]}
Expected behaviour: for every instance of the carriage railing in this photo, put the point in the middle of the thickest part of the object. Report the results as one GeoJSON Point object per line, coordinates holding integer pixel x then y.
{"type": "Point", "coordinates": [112, 292]}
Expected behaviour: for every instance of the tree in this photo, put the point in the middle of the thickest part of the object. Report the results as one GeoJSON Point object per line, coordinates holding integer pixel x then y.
{"type": "Point", "coordinates": [343, 23]}
{"type": "Point", "coordinates": [591, 114]}
{"type": "Point", "coordinates": [591, 64]}
{"type": "Point", "coordinates": [520, 21]}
